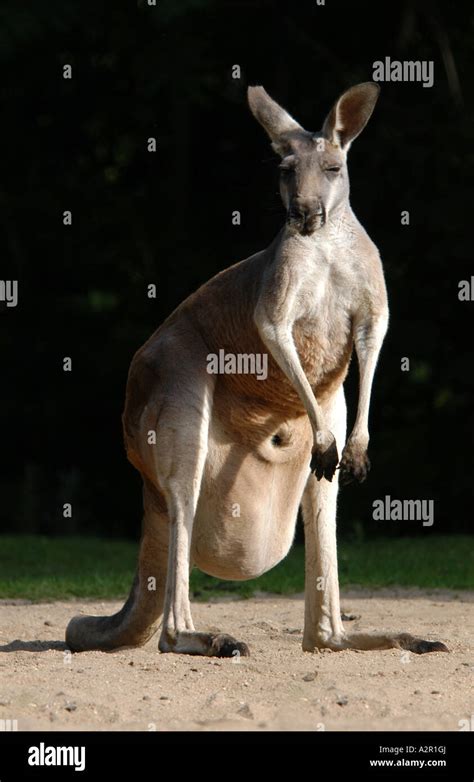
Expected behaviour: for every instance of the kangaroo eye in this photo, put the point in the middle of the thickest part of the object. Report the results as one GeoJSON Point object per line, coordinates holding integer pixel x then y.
{"type": "Point", "coordinates": [285, 169]}
{"type": "Point", "coordinates": [333, 169]}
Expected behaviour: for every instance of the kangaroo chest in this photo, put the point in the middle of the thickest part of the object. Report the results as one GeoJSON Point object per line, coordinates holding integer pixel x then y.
{"type": "Point", "coordinates": [322, 329]}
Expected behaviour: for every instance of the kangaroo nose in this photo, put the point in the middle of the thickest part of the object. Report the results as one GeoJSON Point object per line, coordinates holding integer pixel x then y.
{"type": "Point", "coordinates": [308, 214]}
{"type": "Point", "coordinates": [308, 206]}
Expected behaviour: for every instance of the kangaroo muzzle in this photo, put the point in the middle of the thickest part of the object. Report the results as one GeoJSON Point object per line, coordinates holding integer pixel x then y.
{"type": "Point", "coordinates": [305, 219]}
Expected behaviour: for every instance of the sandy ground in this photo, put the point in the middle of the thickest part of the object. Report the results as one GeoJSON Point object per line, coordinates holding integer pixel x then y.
{"type": "Point", "coordinates": [279, 687]}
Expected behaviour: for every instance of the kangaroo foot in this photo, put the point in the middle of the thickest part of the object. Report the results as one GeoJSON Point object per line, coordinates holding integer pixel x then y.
{"type": "Point", "coordinates": [371, 642]}
{"type": "Point", "coordinates": [206, 644]}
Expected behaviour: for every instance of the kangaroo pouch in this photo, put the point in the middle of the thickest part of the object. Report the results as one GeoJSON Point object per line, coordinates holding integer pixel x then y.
{"type": "Point", "coordinates": [250, 495]}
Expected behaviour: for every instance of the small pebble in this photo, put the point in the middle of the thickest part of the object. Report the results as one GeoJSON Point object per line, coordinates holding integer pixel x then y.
{"type": "Point", "coordinates": [245, 711]}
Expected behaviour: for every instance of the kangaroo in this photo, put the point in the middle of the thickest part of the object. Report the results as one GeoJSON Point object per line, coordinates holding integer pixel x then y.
{"type": "Point", "coordinates": [227, 459]}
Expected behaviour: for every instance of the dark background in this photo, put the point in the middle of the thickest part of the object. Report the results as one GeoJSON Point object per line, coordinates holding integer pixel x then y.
{"type": "Point", "coordinates": [165, 218]}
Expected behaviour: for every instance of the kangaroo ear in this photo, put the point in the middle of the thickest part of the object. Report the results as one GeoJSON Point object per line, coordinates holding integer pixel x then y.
{"type": "Point", "coordinates": [350, 114]}
{"type": "Point", "coordinates": [276, 121]}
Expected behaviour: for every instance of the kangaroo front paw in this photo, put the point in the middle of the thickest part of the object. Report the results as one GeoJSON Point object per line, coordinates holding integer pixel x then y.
{"type": "Point", "coordinates": [354, 466]}
{"type": "Point", "coordinates": [324, 460]}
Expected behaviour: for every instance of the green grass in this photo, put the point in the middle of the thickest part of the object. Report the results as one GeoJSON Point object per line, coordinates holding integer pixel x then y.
{"type": "Point", "coordinates": [40, 568]}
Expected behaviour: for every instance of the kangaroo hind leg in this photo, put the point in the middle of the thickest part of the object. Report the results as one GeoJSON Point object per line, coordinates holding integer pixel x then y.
{"type": "Point", "coordinates": [323, 626]}
{"type": "Point", "coordinates": [139, 618]}
{"type": "Point", "coordinates": [180, 458]}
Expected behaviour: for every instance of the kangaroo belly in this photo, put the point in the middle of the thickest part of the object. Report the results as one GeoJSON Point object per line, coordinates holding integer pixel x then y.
{"type": "Point", "coordinates": [249, 500]}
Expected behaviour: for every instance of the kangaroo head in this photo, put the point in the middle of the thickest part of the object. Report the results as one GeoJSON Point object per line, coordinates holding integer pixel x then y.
{"type": "Point", "coordinates": [314, 180]}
